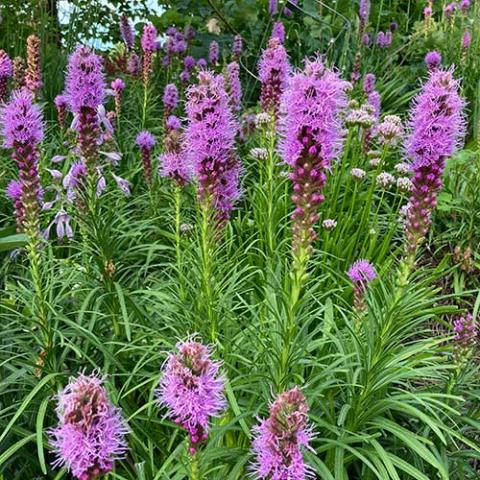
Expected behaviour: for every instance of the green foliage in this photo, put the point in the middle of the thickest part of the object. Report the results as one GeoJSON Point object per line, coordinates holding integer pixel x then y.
{"type": "Point", "coordinates": [387, 398]}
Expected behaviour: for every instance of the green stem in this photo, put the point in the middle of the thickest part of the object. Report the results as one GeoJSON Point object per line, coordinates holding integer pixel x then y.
{"type": "Point", "coordinates": [194, 470]}
{"type": "Point", "coordinates": [178, 239]}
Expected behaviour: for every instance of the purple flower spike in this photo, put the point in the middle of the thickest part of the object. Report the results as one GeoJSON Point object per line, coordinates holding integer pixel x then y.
{"type": "Point", "coordinates": [127, 32]}
{"type": "Point", "coordinates": [273, 70]}
{"type": "Point", "coordinates": [14, 193]}
{"type": "Point", "coordinates": [85, 88]}
{"type": "Point", "coordinates": [366, 39]}
{"type": "Point", "coordinates": [189, 63]}
{"type": "Point", "coordinates": [278, 31]}
{"type": "Point", "coordinates": [364, 13]}
{"type": "Point", "coordinates": [85, 81]}
{"type": "Point", "coordinates": [22, 130]}
{"type": "Point", "coordinates": [213, 53]}
{"type": "Point", "coordinates": [466, 332]}
{"type": "Point", "coordinates": [361, 273]}
{"type": "Point", "coordinates": [146, 141]}
{"type": "Point", "coordinates": [33, 78]}
{"type": "Point", "coordinates": [170, 99]}
{"type": "Point", "coordinates": [118, 84]}
{"type": "Point", "coordinates": [449, 9]}
{"type": "Point", "coordinates": [433, 60]}
{"type": "Point", "coordinates": [369, 83]}
{"type": "Point", "coordinates": [61, 104]}
{"type": "Point", "coordinates": [210, 144]}
{"type": "Point", "coordinates": [466, 40]}
{"type": "Point", "coordinates": [312, 132]}
{"type": "Point", "coordinates": [202, 63]}
{"type": "Point", "coordinates": [90, 435]}
{"type": "Point", "coordinates": [437, 128]}
{"type": "Point", "coordinates": [281, 438]}
{"type": "Point", "coordinates": [149, 38]}
{"type": "Point", "coordinates": [6, 71]}
{"type": "Point", "coordinates": [192, 389]}
{"type": "Point", "coordinates": [464, 5]}
{"type": "Point", "coordinates": [237, 46]}
{"type": "Point", "coordinates": [272, 7]}
{"type": "Point", "coordinates": [133, 64]}
{"type": "Point", "coordinates": [234, 87]}
{"type": "Point", "coordinates": [149, 46]}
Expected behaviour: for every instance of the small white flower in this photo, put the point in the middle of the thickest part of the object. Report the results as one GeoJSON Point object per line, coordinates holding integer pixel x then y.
{"type": "Point", "coordinates": [385, 179]}
{"type": "Point", "coordinates": [402, 168]}
{"type": "Point", "coordinates": [404, 184]}
{"type": "Point", "coordinates": [329, 224]}
{"type": "Point", "coordinates": [259, 153]}
{"type": "Point", "coordinates": [374, 162]}
{"type": "Point", "coordinates": [358, 173]}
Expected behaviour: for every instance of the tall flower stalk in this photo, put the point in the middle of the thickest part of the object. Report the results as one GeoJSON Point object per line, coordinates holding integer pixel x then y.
{"type": "Point", "coordinates": [22, 130]}
{"type": "Point", "coordinates": [312, 133]}
{"type": "Point", "coordinates": [6, 71]}
{"type": "Point", "coordinates": [33, 78]}
{"type": "Point", "coordinates": [85, 89]}
{"type": "Point", "coordinates": [273, 70]}
{"type": "Point", "coordinates": [210, 147]}
{"type": "Point", "coordinates": [437, 128]}
{"type": "Point", "coordinates": [146, 141]}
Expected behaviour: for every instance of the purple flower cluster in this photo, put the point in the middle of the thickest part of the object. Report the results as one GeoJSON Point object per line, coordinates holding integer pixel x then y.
{"type": "Point", "coordinates": [466, 40]}
{"type": "Point", "coordinates": [19, 72]}
{"type": "Point", "coordinates": [464, 5]}
{"type": "Point", "coordinates": [312, 133]}
{"type": "Point", "coordinates": [286, 10]}
{"type": "Point", "coordinates": [33, 78]}
{"type": "Point", "coordinates": [85, 89]}
{"type": "Point", "coordinates": [173, 162]}
{"type": "Point", "coordinates": [278, 31]}
{"type": "Point", "coordinates": [384, 39]}
{"type": "Point", "coordinates": [281, 438]}
{"type": "Point", "coordinates": [433, 60]}
{"type": "Point", "coordinates": [449, 9]}
{"type": "Point", "coordinates": [146, 141]}
{"type": "Point", "coordinates": [6, 71]}
{"type": "Point", "coordinates": [149, 46]}
{"type": "Point", "coordinates": [213, 53]}
{"type": "Point", "coordinates": [22, 130]}
{"type": "Point", "coordinates": [369, 83]}
{"type": "Point", "coordinates": [273, 70]}
{"type": "Point", "coordinates": [437, 128]}
{"type": "Point", "coordinates": [237, 46]}
{"type": "Point", "coordinates": [234, 87]}
{"type": "Point", "coordinates": [364, 14]}
{"type": "Point", "coordinates": [127, 32]}
{"type": "Point", "coordinates": [14, 193]}
{"type": "Point", "coordinates": [272, 7]}
{"type": "Point", "coordinates": [177, 43]}
{"type": "Point", "coordinates": [192, 389]}
{"type": "Point", "coordinates": [210, 144]}
{"type": "Point", "coordinates": [90, 434]}
{"type": "Point", "coordinates": [466, 333]}
{"type": "Point", "coordinates": [61, 104]}
{"type": "Point", "coordinates": [170, 99]}
{"type": "Point", "coordinates": [361, 273]}
{"type": "Point", "coordinates": [117, 85]}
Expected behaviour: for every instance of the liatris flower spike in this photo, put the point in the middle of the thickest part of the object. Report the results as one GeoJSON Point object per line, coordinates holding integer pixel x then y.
{"type": "Point", "coordinates": [85, 89]}
{"type": "Point", "coordinates": [149, 46]}
{"type": "Point", "coordinates": [14, 193]}
{"type": "Point", "coordinates": [209, 144]}
{"type": "Point", "coordinates": [170, 99]}
{"type": "Point", "coordinates": [146, 141]}
{"type": "Point", "coordinates": [237, 46]}
{"type": "Point", "coordinates": [61, 104]}
{"type": "Point", "coordinates": [22, 130]}
{"type": "Point", "coordinates": [436, 130]}
{"type": "Point", "coordinates": [127, 32]}
{"type": "Point", "coordinates": [19, 72]}
{"type": "Point", "coordinates": [313, 133]}
{"type": "Point", "coordinates": [278, 31]}
{"type": "Point", "coordinates": [364, 14]}
{"type": "Point", "coordinates": [118, 85]}
{"type": "Point", "coordinates": [280, 439]}
{"type": "Point", "coordinates": [191, 388]}
{"type": "Point", "coordinates": [466, 332]}
{"type": "Point", "coordinates": [273, 70]}
{"type": "Point", "coordinates": [6, 71]}
{"type": "Point", "coordinates": [361, 273]}
{"type": "Point", "coordinates": [173, 162]}
{"type": "Point", "coordinates": [433, 60]}
{"type": "Point", "coordinates": [234, 87]}
{"type": "Point", "coordinates": [213, 53]}
{"type": "Point", "coordinates": [272, 7]}
{"type": "Point", "coordinates": [90, 435]}
{"type": "Point", "coordinates": [33, 79]}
